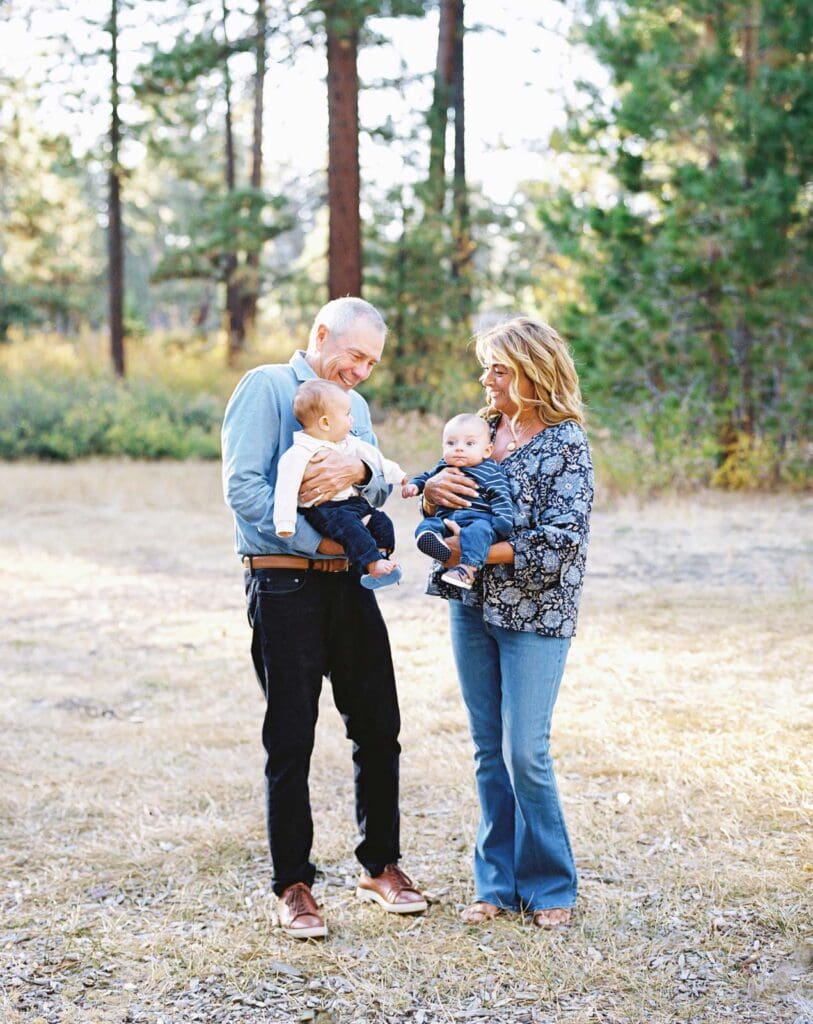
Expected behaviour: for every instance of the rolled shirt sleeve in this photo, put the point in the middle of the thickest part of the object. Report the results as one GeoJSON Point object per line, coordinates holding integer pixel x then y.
{"type": "Point", "coordinates": [389, 472]}
{"type": "Point", "coordinates": [256, 425]}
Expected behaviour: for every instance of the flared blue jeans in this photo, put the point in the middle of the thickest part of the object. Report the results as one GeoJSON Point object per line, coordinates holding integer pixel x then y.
{"type": "Point", "coordinates": [510, 681]}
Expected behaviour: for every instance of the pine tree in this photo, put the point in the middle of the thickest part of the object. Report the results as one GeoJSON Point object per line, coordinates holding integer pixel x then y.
{"type": "Point", "coordinates": [344, 26]}
{"type": "Point", "coordinates": [115, 237]}
{"type": "Point", "coordinates": [225, 235]}
{"type": "Point", "coordinates": [695, 270]}
{"type": "Point", "coordinates": [50, 263]}
{"type": "Point", "coordinates": [427, 276]}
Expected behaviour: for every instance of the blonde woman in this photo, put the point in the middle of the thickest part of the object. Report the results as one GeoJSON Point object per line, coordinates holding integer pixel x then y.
{"type": "Point", "coordinates": [511, 632]}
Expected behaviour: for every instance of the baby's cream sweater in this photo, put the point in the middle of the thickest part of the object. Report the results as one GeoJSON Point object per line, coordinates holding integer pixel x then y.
{"type": "Point", "coordinates": [292, 466]}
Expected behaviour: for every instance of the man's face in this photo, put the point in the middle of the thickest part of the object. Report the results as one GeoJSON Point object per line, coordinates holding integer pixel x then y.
{"type": "Point", "coordinates": [348, 359]}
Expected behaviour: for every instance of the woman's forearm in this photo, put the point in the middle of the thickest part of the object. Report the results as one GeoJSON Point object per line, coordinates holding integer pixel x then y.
{"type": "Point", "coordinates": [501, 552]}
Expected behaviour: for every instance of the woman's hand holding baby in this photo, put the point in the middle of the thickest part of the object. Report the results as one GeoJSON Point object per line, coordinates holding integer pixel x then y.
{"type": "Point", "coordinates": [451, 487]}
{"type": "Point", "coordinates": [452, 542]}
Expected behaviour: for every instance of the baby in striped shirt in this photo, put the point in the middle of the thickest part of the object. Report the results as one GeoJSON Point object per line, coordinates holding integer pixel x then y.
{"type": "Point", "coordinates": [490, 517]}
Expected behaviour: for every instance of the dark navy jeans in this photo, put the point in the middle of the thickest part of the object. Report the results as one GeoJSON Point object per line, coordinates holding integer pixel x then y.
{"type": "Point", "coordinates": [342, 521]}
{"type": "Point", "coordinates": [307, 625]}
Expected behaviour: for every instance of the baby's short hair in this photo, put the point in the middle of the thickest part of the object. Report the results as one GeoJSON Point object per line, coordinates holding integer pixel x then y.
{"type": "Point", "coordinates": [467, 419]}
{"type": "Point", "coordinates": [314, 399]}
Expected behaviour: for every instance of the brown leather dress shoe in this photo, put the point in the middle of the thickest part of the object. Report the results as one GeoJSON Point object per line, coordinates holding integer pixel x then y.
{"type": "Point", "coordinates": [299, 914]}
{"type": "Point", "coordinates": [393, 890]}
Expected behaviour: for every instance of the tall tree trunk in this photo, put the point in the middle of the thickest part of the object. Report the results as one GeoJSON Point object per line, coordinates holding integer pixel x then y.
{"type": "Point", "coordinates": [115, 237]}
{"type": "Point", "coordinates": [461, 226]}
{"type": "Point", "coordinates": [252, 284]}
{"type": "Point", "coordinates": [259, 83]}
{"type": "Point", "coordinates": [744, 347]}
{"type": "Point", "coordinates": [400, 368]}
{"type": "Point", "coordinates": [442, 98]}
{"type": "Point", "coordinates": [344, 245]}
{"type": "Point", "coordinates": [234, 303]}
{"type": "Point", "coordinates": [716, 334]}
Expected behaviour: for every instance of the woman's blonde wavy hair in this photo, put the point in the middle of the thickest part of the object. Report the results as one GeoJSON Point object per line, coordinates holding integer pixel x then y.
{"type": "Point", "coordinates": [534, 348]}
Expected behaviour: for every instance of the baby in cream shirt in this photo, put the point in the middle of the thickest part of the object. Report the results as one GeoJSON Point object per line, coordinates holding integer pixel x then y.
{"type": "Point", "coordinates": [365, 533]}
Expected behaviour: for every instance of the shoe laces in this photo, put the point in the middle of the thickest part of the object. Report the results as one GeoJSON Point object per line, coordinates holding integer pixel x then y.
{"type": "Point", "coordinates": [299, 899]}
{"type": "Point", "coordinates": [403, 879]}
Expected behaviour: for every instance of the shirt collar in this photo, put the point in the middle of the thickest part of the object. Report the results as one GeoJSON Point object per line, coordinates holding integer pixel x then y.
{"type": "Point", "coordinates": [313, 444]}
{"type": "Point", "coordinates": [300, 366]}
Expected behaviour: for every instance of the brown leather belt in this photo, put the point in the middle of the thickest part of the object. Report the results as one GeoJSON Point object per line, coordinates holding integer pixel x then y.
{"type": "Point", "coordinates": [252, 562]}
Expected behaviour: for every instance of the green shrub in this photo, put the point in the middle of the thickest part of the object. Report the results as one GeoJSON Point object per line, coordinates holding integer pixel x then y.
{"type": "Point", "coordinates": [68, 410]}
{"type": "Point", "coordinates": [67, 417]}
{"type": "Point", "coordinates": [669, 447]}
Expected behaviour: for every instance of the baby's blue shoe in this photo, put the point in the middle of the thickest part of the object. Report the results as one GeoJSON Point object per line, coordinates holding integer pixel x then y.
{"type": "Point", "coordinates": [376, 582]}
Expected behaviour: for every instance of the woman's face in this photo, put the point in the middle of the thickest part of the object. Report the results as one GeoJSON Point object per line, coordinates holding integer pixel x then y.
{"type": "Point", "coordinates": [496, 380]}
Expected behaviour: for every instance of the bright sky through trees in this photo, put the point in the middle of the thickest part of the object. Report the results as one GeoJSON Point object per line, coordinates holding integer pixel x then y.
{"type": "Point", "coordinates": [518, 76]}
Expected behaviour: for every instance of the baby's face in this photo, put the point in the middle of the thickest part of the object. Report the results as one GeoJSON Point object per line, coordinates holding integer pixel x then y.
{"type": "Point", "coordinates": [339, 420]}
{"type": "Point", "coordinates": [466, 445]}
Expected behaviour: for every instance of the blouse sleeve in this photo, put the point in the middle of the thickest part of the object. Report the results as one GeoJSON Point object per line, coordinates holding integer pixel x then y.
{"type": "Point", "coordinates": [560, 515]}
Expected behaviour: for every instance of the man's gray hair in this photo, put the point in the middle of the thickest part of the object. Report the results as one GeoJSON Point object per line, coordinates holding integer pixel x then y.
{"type": "Point", "coordinates": [339, 315]}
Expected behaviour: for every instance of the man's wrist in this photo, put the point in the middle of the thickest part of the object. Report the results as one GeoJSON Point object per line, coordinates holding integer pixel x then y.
{"type": "Point", "coordinates": [364, 474]}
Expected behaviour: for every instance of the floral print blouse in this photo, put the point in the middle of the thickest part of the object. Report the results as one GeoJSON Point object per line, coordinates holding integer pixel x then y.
{"type": "Point", "coordinates": [551, 482]}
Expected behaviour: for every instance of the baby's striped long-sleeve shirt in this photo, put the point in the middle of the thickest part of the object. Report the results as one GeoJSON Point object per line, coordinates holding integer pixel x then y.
{"type": "Point", "coordinates": [494, 494]}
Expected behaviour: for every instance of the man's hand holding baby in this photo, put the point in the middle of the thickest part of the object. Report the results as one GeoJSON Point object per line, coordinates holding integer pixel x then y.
{"type": "Point", "coordinates": [327, 473]}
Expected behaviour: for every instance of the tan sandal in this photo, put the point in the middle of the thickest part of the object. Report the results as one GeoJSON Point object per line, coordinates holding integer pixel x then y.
{"type": "Point", "coordinates": [480, 912]}
{"type": "Point", "coordinates": [553, 917]}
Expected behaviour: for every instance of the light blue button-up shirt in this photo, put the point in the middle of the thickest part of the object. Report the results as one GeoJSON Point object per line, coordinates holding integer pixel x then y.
{"type": "Point", "coordinates": [258, 427]}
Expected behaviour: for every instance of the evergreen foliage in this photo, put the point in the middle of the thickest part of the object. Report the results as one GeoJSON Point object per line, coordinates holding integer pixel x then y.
{"type": "Point", "coordinates": [409, 262]}
{"type": "Point", "coordinates": [49, 262]}
{"type": "Point", "coordinates": [222, 238]}
{"type": "Point", "coordinates": [695, 272]}
{"type": "Point", "coordinates": [409, 279]}
{"type": "Point", "coordinates": [675, 256]}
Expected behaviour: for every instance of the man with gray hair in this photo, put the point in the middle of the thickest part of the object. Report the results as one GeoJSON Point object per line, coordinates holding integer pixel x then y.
{"type": "Point", "coordinates": [310, 618]}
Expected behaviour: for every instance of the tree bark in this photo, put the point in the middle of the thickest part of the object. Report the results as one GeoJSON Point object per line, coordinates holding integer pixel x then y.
{"type": "Point", "coordinates": [115, 234]}
{"type": "Point", "coordinates": [461, 226]}
{"type": "Point", "coordinates": [344, 244]}
{"type": "Point", "coordinates": [744, 347]}
{"type": "Point", "coordinates": [235, 324]}
{"type": "Point", "coordinates": [717, 339]}
{"type": "Point", "coordinates": [252, 283]}
{"type": "Point", "coordinates": [442, 98]}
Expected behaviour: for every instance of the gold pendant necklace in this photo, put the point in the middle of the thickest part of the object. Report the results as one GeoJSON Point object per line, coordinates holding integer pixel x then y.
{"type": "Point", "coordinates": [517, 439]}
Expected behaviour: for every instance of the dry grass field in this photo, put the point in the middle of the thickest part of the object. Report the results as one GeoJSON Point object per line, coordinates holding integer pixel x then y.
{"type": "Point", "coordinates": [134, 884]}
